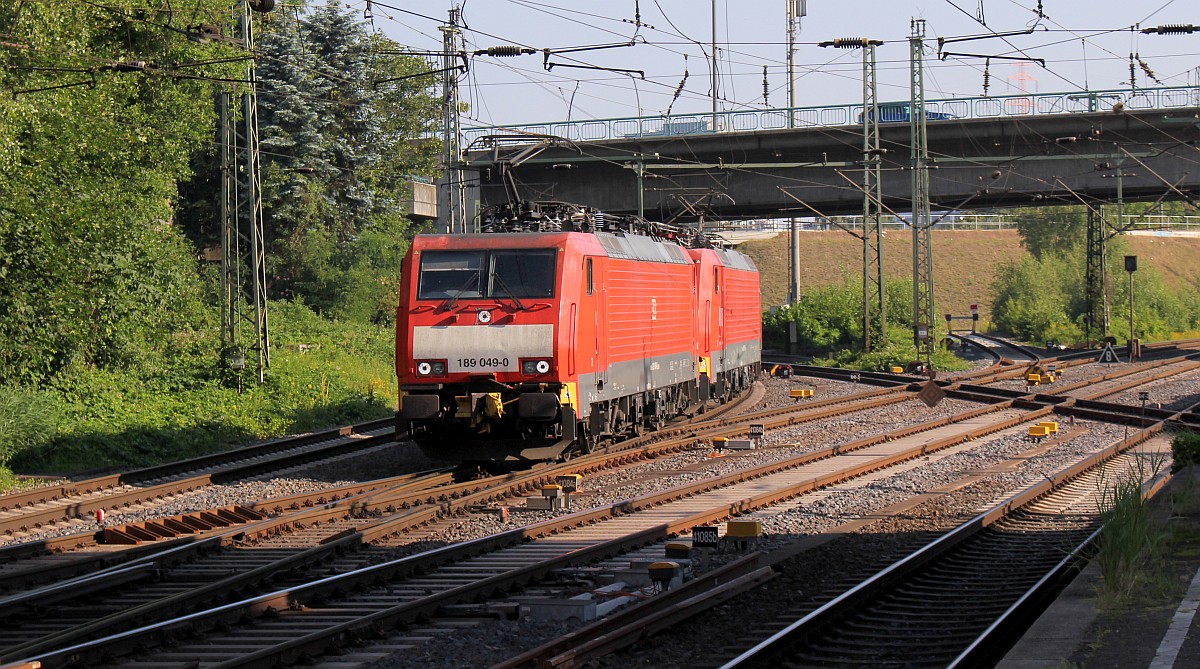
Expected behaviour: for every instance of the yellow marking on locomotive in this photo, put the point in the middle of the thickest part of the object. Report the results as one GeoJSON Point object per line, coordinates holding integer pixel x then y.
{"type": "Point", "coordinates": [568, 395]}
{"type": "Point", "coordinates": [705, 365]}
{"type": "Point", "coordinates": [478, 408]}
{"type": "Point", "coordinates": [493, 405]}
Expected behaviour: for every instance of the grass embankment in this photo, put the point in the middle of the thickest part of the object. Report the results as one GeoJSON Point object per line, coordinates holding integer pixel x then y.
{"type": "Point", "coordinates": [322, 373]}
{"type": "Point", "coordinates": [964, 268]}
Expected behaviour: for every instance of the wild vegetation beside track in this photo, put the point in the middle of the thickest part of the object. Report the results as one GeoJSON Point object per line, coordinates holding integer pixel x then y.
{"type": "Point", "coordinates": [1136, 605]}
{"type": "Point", "coordinates": [323, 373]}
{"type": "Point", "coordinates": [110, 229]}
{"type": "Point", "coordinates": [1027, 283]}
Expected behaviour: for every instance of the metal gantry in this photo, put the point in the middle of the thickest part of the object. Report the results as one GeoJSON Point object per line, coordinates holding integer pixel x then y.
{"type": "Point", "coordinates": [243, 248]}
{"type": "Point", "coordinates": [923, 318]}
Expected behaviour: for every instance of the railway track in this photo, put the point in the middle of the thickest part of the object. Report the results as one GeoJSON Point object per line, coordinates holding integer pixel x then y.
{"type": "Point", "coordinates": [957, 601]}
{"type": "Point", "coordinates": [367, 526]}
{"type": "Point", "coordinates": [999, 349]}
{"type": "Point", "coordinates": [64, 503]}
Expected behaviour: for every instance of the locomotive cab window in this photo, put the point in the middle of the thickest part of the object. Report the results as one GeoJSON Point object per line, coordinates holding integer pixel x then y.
{"type": "Point", "coordinates": [460, 274]}
{"type": "Point", "coordinates": [526, 273]}
{"type": "Point", "coordinates": [450, 274]}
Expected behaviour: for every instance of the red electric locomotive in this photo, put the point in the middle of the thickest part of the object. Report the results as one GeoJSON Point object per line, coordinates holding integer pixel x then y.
{"type": "Point", "coordinates": [524, 346]}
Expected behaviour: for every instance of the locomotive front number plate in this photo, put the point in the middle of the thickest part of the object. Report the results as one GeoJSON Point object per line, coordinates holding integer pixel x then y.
{"type": "Point", "coordinates": [483, 364]}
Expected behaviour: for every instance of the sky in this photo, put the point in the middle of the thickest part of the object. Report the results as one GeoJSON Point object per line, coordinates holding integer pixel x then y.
{"type": "Point", "coordinates": [1086, 45]}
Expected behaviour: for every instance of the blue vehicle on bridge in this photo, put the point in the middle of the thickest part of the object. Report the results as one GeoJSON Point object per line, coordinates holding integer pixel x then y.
{"type": "Point", "coordinates": [899, 112]}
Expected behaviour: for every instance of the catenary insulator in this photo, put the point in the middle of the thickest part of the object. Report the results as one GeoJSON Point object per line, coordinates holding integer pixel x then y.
{"type": "Point", "coordinates": [504, 51]}
{"type": "Point", "coordinates": [851, 43]}
{"type": "Point", "coordinates": [1171, 30]}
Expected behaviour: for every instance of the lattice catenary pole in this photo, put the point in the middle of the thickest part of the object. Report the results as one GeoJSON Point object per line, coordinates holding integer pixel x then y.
{"type": "Point", "coordinates": [923, 319]}
{"type": "Point", "coordinates": [243, 248]}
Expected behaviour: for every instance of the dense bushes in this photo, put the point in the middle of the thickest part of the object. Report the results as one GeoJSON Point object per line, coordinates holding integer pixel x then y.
{"type": "Point", "coordinates": [1043, 295]}
{"type": "Point", "coordinates": [109, 325]}
{"type": "Point", "coordinates": [829, 324]}
{"type": "Point", "coordinates": [323, 373]}
{"type": "Point", "coordinates": [1185, 450]}
{"type": "Point", "coordinates": [1039, 299]}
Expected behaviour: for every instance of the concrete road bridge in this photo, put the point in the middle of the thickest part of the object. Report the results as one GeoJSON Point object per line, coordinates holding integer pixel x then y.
{"type": "Point", "coordinates": [1042, 149]}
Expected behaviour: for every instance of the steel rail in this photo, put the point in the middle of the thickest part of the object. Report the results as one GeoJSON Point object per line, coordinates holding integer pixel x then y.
{"type": "Point", "coordinates": [161, 554]}
{"type": "Point", "coordinates": [74, 488]}
{"type": "Point", "coordinates": [854, 597]}
{"type": "Point", "coordinates": [326, 587]}
{"type": "Point", "coordinates": [384, 529]}
{"type": "Point", "coordinates": [1004, 343]}
{"type": "Point", "coordinates": [631, 625]}
{"type": "Point", "coordinates": [37, 518]}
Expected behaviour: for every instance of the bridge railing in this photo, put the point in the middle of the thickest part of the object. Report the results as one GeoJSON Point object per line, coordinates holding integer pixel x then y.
{"type": "Point", "coordinates": [1136, 223]}
{"type": "Point", "coordinates": [1038, 104]}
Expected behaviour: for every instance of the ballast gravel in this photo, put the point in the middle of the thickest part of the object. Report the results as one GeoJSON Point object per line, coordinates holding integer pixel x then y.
{"type": "Point", "coordinates": [814, 576]}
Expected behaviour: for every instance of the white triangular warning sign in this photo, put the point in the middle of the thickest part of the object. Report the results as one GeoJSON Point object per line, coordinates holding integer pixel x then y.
{"type": "Point", "coordinates": [1108, 355]}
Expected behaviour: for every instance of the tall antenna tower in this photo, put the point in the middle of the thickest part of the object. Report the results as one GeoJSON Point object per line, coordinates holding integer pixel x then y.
{"type": "Point", "coordinates": [243, 248]}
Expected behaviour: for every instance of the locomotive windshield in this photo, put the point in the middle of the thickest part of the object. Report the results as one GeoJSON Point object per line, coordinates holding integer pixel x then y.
{"type": "Point", "coordinates": [510, 274]}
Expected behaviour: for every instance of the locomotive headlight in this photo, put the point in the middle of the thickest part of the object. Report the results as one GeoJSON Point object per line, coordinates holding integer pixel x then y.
{"type": "Point", "coordinates": [535, 367]}
{"type": "Point", "coordinates": [431, 368]}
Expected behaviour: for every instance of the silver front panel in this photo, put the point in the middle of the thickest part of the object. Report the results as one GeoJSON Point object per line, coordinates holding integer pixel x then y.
{"type": "Point", "coordinates": [483, 348]}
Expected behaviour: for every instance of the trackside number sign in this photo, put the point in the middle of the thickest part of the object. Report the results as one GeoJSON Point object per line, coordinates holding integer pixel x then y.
{"type": "Point", "coordinates": [705, 536]}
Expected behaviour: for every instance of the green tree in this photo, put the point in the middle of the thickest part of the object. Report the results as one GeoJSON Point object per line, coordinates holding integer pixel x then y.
{"type": "Point", "coordinates": [1050, 230]}
{"type": "Point", "coordinates": [103, 107]}
{"type": "Point", "coordinates": [339, 150]}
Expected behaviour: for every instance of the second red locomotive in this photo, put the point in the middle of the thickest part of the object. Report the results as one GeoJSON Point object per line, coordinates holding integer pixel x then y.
{"type": "Point", "coordinates": [525, 346]}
